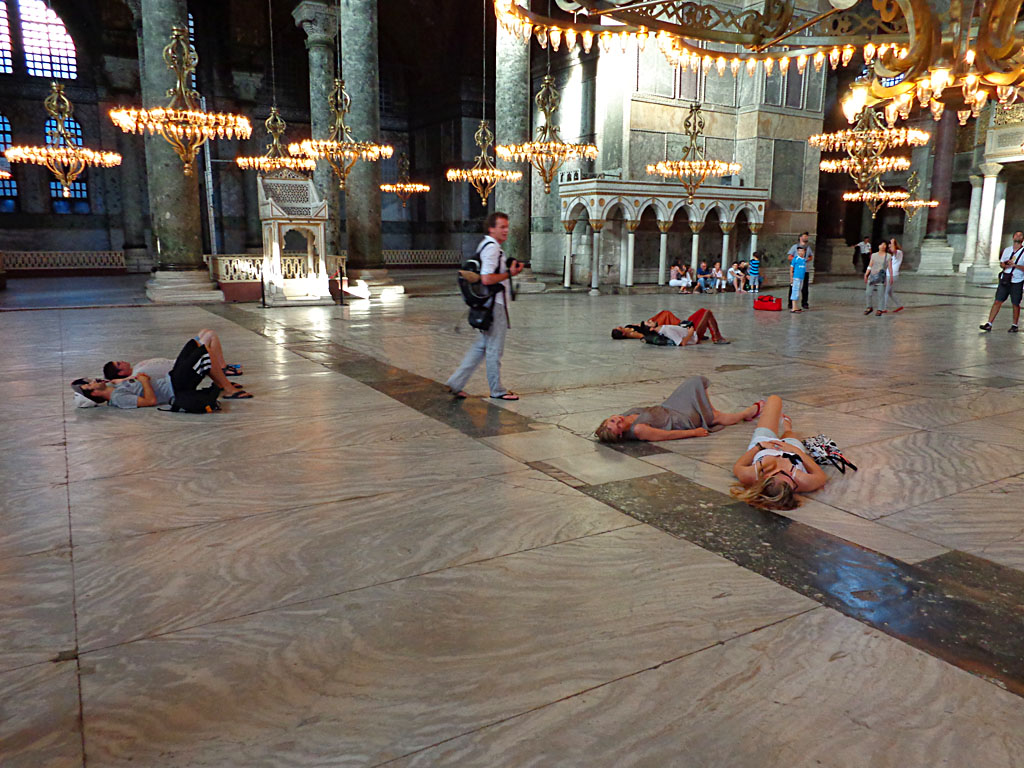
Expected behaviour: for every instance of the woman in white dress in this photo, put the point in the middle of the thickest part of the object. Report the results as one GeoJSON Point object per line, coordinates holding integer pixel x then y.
{"type": "Point", "coordinates": [896, 255]}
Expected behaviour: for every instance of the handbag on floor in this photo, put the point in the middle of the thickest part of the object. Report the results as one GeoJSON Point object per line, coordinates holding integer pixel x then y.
{"type": "Point", "coordinates": [768, 303]}
{"type": "Point", "coordinates": [825, 452]}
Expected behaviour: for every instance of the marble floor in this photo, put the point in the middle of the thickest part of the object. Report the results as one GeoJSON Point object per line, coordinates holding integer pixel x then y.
{"type": "Point", "coordinates": [353, 569]}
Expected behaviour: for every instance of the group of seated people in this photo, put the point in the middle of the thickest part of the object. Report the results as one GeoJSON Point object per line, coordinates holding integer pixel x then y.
{"type": "Point", "coordinates": [665, 329]}
{"type": "Point", "coordinates": [742, 277]}
{"type": "Point", "coordinates": [162, 381]}
{"type": "Point", "coordinates": [773, 469]}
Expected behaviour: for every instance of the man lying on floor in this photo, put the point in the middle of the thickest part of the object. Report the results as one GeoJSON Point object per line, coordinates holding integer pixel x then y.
{"type": "Point", "coordinates": [157, 367]}
{"type": "Point", "coordinates": [178, 388]}
{"type": "Point", "coordinates": [667, 329]}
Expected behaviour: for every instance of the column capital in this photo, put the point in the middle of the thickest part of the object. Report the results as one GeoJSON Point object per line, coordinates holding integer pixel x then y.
{"type": "Point", "coordinates": [990, 169]}
{"type": "Point", "coordinates": [632, 225]}
{"type": "Point", "coordinates": [597, 224]}
{"type": "Point", "coordinates": [726, 226]}
{"type": "Point", "coordinates": [664, 226]}
{"type": "Point", "coordinates": [755, 227]}
{"type": "Point", "coordinates": [247, 84]}
{"type": "Point", "coordinates": [975, 180]}
{"type": "Point", "coordinates": [569, 224]}
{"type": "Point", "coordinates": [696, 226]}
{"type": "Point", "coordinates": [318, 20]}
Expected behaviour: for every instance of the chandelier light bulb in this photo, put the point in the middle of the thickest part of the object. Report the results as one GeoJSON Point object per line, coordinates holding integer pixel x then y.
{"type": "Point", "coordinates": [819, 61]}
{"type": "Point", "coordinates": [734, 67]}
{"type": "Point", "coordinates": [869, 53]}
{"type": "Point", "coordinates": [605, 41]}
{"type": "Point", "coordinates": [641, 38]}
{"type": "Point", "coordinates": [801, 63]}
{"type": "Point", "coordinates": [1004, 92]}
{"type": "Point", "coordinates": [623, 41]}
{"type": "Point", "coordinates": [891, 112]}
{"type": "Point", "coordinates": [555, 37]}
{"type": "Point", "coordinates": [939, 79]}
{"type": "Point", "coordinates": [969, 57]}
{"type": "Point", "coordinates": [588, 40]}
{"type": "Point", "coordinates": [937, 108]}
{"type": "Point", "coordinates": [720, 65]}
{"type": "Point", "coordinates": [570, 39]}
{"type": "Point", "coordinates": [833, 57]}
{"type": "Point", "coordinates": [784, 65]}
{"type": "Point", "coordinates": [963, 115]}
{"type": "Point", "coordinates": [769, 65]}
{"type": "Point", "coordinates": [924, 92]}
{"type": "Point", "coordinates": [542, 37]}
{"type": "Point", "coordinates": [751, 67]}
{"type": "Point", "coordinates": [848, 51]}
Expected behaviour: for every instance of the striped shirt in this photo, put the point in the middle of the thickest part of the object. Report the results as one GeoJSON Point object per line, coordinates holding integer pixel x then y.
{"type": "Point", "coordinates": [754, 268]}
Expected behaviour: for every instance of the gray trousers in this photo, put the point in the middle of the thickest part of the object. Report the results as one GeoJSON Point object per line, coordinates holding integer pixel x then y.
{"type": "Point", "coordinates": [489, 345]}
{"type": "Point", "coordinates": [880, 289]}
{"type": "Point", "coordinates": [890, 294]}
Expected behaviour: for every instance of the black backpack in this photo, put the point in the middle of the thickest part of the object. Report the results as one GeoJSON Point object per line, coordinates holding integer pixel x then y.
{"type": "Point", "coordinates": [197, 401]}
{"type": "Point", "coordinates": [478, 297]}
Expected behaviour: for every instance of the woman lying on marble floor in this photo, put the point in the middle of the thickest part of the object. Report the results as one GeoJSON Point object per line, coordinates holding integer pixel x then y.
{"type": "Point", "coordinates": [672, 330]}
{"type": "Point", "coordinates": [775, 467]}
{"type": "Point", "coordinates": [687, 412]}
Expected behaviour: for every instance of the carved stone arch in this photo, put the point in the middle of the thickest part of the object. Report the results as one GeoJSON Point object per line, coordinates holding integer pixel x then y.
{"type": "Point", "coordinates": [661, 211]}
{"type": "Point", "coordinates": [753, 217]}
{"type": "Point", "coordinates": [573, 207]}
{"type": "Point", "coordinates": [716, 205]}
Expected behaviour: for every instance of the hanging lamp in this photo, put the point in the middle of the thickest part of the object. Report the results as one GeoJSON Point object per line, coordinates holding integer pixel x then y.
{"type": "Point", "coordinates": [913, 203]}
{"type": "Point", "coordinates": [183, 122]}
{"type": "Point", "coordinates": [340, 149]}
{"type": "Point", "coordinates": [694, 168]}
{"type": "Point", "coordinates": [547, 152]}
{"type": "Point", "coordinates": [404, 188]}
{"type": "Point", "coordinates": [63, 154]}
{"type": "Point", "coordinates": [484, 175]}
{"type": "Point", "coordinates": [275, 158]}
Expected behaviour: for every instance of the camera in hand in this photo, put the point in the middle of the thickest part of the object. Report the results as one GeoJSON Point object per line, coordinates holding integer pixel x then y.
{"type": "Point", "coordinates": [509, 261]}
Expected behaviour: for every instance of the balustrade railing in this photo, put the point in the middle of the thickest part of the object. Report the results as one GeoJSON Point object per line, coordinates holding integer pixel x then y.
{"type": "Point", "coordinates": [14, 261]}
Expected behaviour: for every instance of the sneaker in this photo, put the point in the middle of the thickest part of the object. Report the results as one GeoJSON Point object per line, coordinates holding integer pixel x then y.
{"type": "Point", "coordinates": [986, 326]}
{"type": "Point", "coordinates": [1012, 329]}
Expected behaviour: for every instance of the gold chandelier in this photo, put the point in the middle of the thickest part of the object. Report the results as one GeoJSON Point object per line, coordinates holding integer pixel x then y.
{"type": "Point", "coordinates": [183, 122]}
{"type": "Point", "coordinates": [694, 169]}
{"type": "Point", "coordinates": [404, 188]}
{"type": "Point", "coordinates": [275, 158]}
{"type": "Point", "coordinates": [876, 197]}
{"type": "Point", "coordinates": [340, 149]}
{"type": "Point", "coordinates": [63, 155]}
{"type": "Point", "coordinates": [484, 175]}
{"type": "Point", "coordinates": [912, 204]}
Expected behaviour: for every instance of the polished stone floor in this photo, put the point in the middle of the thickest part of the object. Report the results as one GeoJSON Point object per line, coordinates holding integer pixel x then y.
{"type": "Point", "coordinates": [352, 569]}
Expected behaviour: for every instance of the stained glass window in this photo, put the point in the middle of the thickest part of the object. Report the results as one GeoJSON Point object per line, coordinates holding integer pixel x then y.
{"type": "Point", "coordinates": [8, 187]}
{"type": "Point", "coordinates": [5, 41]}
{"type": "Point", "coordinates": [49, 49]}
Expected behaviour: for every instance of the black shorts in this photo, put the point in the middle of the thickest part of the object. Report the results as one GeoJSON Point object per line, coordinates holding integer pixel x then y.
{"type": "Point", "coordinates": [1012, 291]}
{"type": "Point", "coordinates": [191, 367]}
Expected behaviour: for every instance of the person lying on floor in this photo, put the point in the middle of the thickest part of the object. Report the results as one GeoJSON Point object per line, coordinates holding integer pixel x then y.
{"type": "Point", "coordinates": [179, 386]}
{"type": "Point", "coordinates": [687, 412]}
{"type": "Point", "coordinates": [701, 322]}
{"type": "Point", "coordinates": [159, 367]}
{"type": "Point", "coordinates": [649, 326]}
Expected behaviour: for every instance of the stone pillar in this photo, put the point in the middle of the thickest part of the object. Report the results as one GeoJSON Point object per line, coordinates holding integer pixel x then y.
{"type": "Point", "coordinates": [597, 225]}
{"type": "Point", "coordinates": [726, 229]}
{"type": "Point", "coordinates": [569, 226]}
{"type": "Point", "coordinates": [630, 249]}
{"type": "Point", "coordinates": [663, 227]}
{"type": "Point", "coordinates": [942, 175]}
{"type": "Point", "coordinates": [247, 86]}
{"type": "Point", "coordinates": [754, 229]}
{"type": "Point", "coordinates": [990, 174]}
{"type": "Point", "coordinates": [971, 246]}
{"type": "Point", "coordinates": [512, 126]}
{"type": "Point", "coordinates": [319, 21]}
{"type": "Point", "coordinates": [695, 228]}
{"type": "Point", "coordinates": [173, 196]}
{"type": "Point", "coordinates": [362, 79]}
{"type": "Point", "coordinates": [998, 215]}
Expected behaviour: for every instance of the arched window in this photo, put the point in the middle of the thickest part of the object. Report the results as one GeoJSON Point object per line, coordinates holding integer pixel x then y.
{"type": "Point", "coordinates": [8, 187]}
{"type": "Point", "coordinates": [78, 202]}
{"type": "Point", "coordinates": [192, 42]}
{"type": "Point", "coordinates": [49, 49]}
{"type": "Point", "coordinates": [5, 41]}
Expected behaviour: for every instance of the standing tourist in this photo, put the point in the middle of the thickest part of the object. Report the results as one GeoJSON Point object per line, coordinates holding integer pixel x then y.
{"type": "Point", "coordinates": [797, 275]}
{"type": "Point", "coordinates": [754, 271]}
{"type": "Point", "coordinates": [895, 261]}
{"type": "Point", "coordinates": [862, 254]}
{"type": "Point", "coordinates": [1011, 282]}
{"type": "Point", "coordinates": [804, 242]}
{"type": "Point", "coordinates": [875, 277]}
{"type": "Point", "coordinates": [490, 344]}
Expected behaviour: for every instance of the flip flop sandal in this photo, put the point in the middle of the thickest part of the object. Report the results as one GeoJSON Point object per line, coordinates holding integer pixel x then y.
{"type": "Point", "coordinates": [232, 370]}
{"type": "Point", "coordinates": [240, 394]}
{"type": "Point", "coordinates": [760, 405]}
{"type": "Point", "coordinates": [506, 396]}
{"type": "Point", "coordinates": [460, 395]}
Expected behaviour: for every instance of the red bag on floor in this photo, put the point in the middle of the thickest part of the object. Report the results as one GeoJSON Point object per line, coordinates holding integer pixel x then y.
{"type": "Point", "coordinates": [768, 303]}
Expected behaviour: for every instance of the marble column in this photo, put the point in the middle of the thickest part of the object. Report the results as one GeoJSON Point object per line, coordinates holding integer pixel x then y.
{"type": "Point", "coordinates": [726, 229]}
{"type": "Point", "coordinates": [942, 175]}
{"type": "Point", "coordinates": [247, 87]}
{"type": "Point", "coordinates": [173, 196]}
{"type": "Point", "coordinates": [631, 226]}
{"type": "Point", "coordinates": [972, 226]}
{"type": "Point", "coordinates": [754, 229]}
{"type": "Point", "coordinates": [569, 226]}
{"type": "Point", "coordinates": [663, 227]}
{"type": "Point", "coordinates": [597, 225]}
{"type": "Point", "coordinates": [998, 215]}
{"type": "Point", "coordinates": [990, 175]}
{"type": "Point", "coordinates": [695, 228]}
{"type": "Point", "coordinates": [512, 126]}
{"type": "Point", "coordinates": [362, 79]}
{"type": "Point", "coordinates": [319, 22]}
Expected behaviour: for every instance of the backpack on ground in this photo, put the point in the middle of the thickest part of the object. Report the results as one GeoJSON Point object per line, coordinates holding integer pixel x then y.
{"type": "Point", "coordinates": [197, 401]}
{"type": "Point", "coordinates": [825, 452]}
{"type": "Point", "coordinates": [478, 297]}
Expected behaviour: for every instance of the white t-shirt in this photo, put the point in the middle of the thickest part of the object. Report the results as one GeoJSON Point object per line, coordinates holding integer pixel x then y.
{"type": "Point", "coordinates": [677, 334]}
{"type": "Point", "coordinates": [1009, 257]}
{"type": "Point", "coordinates": [155, 367]}
{"type": "Point", "coordinates": [492, 261]}
{"type": "Point", "coordinates": [897, 260]}
{"type": "Point", "coordinates": [864, 248]}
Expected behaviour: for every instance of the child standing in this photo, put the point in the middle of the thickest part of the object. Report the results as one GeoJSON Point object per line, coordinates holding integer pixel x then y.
{"type": "Point", "coordinates": [754, 271]}
{"type": "Point", "coordinates": [797, 275]}
{"type": "Point", "coordinates": [719, 278]}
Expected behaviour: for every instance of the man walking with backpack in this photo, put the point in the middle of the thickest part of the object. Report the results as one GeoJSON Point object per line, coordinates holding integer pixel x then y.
{"type": "Point", "coordinates": [1011, 282]}
{"type": "Point", "coordinates": [490, 344]}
